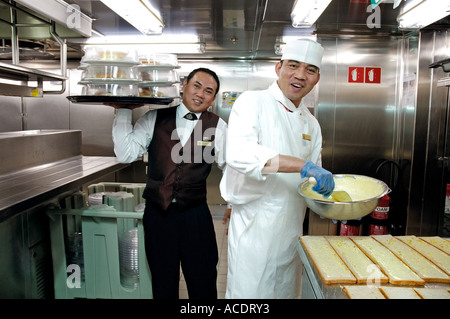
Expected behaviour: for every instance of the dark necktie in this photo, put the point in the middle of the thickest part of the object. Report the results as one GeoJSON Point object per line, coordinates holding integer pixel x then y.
{"type": "Point", "coordinates": [190, 116]}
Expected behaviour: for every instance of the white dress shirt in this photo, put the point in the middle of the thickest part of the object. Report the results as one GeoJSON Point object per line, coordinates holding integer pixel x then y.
{"type": "Point", "coordinates": [130, 143]}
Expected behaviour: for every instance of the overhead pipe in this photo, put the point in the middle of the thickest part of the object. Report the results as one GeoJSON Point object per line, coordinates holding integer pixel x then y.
{"type": "Point", "coordinates": [62, 57]}
{"type": "Point", "coordinates": [14, 37]}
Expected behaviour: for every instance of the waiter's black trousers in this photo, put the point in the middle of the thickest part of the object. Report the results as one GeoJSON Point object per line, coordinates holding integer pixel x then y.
{"type": "Point", "coordinates": [185, 237]}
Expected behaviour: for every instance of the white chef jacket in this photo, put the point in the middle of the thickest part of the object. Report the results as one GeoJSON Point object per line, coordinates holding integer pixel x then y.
{"type": "Point", "coordinates": [130, 142]}
{"type": "Point", "coordinates": [268, 213]}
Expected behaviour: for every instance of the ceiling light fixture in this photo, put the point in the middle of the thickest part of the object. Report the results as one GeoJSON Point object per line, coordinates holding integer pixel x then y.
{"type": "Point", "coordinates": [170, 43]}
{"type": "Point", "coordinates": [139, 13]}
{"type": "Point", "coordinates": [177, 48]}
{"type": "Point", "coordinates": [416, 14]}
{"type": "Point", "coordinates": [306, 12]}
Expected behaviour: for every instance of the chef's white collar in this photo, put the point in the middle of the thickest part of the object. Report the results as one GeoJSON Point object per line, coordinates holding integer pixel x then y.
{"type": "Point", "coordinates": [276, 92]}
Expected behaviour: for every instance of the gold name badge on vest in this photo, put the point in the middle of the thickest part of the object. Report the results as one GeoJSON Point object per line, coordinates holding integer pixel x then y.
{"type": "Point", "coordinates": [306, 137]}
{"type": "Point", "coordinates": [204, 143]}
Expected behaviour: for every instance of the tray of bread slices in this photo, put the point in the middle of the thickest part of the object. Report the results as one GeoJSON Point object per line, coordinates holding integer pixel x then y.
{"type": "Point", "coordinates": [381, 266]}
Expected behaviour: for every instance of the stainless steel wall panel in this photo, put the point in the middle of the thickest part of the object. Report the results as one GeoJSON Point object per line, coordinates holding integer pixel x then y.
{"type": "Point", "coordinates": [428, 174]}
{"type": "Point", "coordinates": [95, 121]}
{"type": "Point", "coordinates": [421, 132]}
{"type": "Point", "coordinates": [326, 109]}
{"type": "Point", "coordinates": [10, 113]}
{"type": "Point", "coordinates": [404, 143]}
{"type": "Point", "coordinates": [49, 112]}
{"type": "Point", "coordinates": [357, 119]}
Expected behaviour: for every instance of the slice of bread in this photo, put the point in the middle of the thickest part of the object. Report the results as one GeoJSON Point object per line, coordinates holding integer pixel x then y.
{"type": "Point", "coordinates": [399, 292]}
{"type": "Point", "coordinates": [438, 242]}
{"type": "Point", "coordinates": [363, 292]}
{"type": "Point", "coordinates": [359, 264]}
{"type": "Point", "coordinates": [427, 270]}
{"type": "Point", "coordinates": [326, 261]}
{"type": "Point", "coordinates": [433, 293]}
{"type": "Point", "coordinates": [392, 266]}
{"type": "Point", "coordinates": [437, 256]}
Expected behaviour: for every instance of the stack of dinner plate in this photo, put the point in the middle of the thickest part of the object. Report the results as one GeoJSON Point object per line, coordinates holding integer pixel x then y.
{"type": "Point", "coordinates": [129, 258]}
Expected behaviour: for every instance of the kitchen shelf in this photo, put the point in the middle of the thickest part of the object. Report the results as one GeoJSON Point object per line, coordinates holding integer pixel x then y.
{"type": "Point", "coordinates": [24, 75]}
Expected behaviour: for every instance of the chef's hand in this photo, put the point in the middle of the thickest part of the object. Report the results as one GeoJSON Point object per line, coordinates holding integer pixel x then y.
{"type": "Point", "coordinates": [325, 181]}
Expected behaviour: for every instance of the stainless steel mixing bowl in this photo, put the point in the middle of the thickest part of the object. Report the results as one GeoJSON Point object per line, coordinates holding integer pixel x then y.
{"type": "Point", "coordinates": [345, 210]}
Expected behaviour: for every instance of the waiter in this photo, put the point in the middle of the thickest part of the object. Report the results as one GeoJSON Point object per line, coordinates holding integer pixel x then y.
{"type": "Point", "coordinates": [182, 143]}
{"type": "Point", "coordinates": [273, 141]}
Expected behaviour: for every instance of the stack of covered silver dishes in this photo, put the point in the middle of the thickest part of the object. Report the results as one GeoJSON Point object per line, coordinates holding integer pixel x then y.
{"type": "Point", "coordinates": [158, 76]}
{"type": "Point", "coordinates": [121, 72]}
{"type": "Point", "coordinates": [109, 71]}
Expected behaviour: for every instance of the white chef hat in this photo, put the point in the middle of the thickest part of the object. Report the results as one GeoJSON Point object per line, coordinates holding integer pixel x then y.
{"type": "Point", "coordinates": [303, 50]}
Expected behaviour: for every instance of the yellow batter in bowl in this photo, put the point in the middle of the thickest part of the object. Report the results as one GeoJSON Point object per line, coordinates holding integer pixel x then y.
{"type": "Point", "coordinates": [364, 191]}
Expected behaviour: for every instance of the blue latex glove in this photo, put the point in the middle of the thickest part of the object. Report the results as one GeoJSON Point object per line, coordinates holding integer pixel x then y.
{"type": "Point", "coordinates": [325, 181]}
{"type": "Point", "coordinates": [344, 221]}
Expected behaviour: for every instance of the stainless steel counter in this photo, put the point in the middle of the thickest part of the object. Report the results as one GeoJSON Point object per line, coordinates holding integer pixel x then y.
{"type": "Point", "coordinates": [23, 189]}
{"type": "Point", "coordinates": [38, 167]}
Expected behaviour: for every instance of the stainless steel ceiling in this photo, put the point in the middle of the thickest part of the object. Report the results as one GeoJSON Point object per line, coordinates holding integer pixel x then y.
{"type": "Point", "coordinates": [264, 21]}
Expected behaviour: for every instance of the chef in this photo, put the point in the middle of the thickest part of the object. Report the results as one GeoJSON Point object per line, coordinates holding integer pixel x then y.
{"type": "Point", "coordinates": [273, 142]}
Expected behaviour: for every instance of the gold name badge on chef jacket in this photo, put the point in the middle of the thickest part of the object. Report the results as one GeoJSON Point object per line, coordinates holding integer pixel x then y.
{"type": "Point", "coordinates": [306, 137]}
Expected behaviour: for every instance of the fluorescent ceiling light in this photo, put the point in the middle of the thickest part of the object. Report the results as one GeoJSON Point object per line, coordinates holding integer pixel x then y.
{"type": "Point", "coordinates": [177, 48]}
{"type": "Point", "coordinates": [139, 13]}
{"type": "Point", "coordinates": [171, 43]}
{"type": "Point", "coordinates": [306, 12]}
{"type": "Point", "coordinates": [416, 14]}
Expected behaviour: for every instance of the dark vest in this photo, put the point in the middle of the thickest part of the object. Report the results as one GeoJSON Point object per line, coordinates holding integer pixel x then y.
{"type": "Point", "coordinates": [175, 171]}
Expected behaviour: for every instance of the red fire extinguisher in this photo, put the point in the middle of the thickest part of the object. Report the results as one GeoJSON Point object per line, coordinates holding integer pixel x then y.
{"type": "Point", "coordinates": [378, 219]}
{"type": "Point", "coordinates": [350, 227]}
